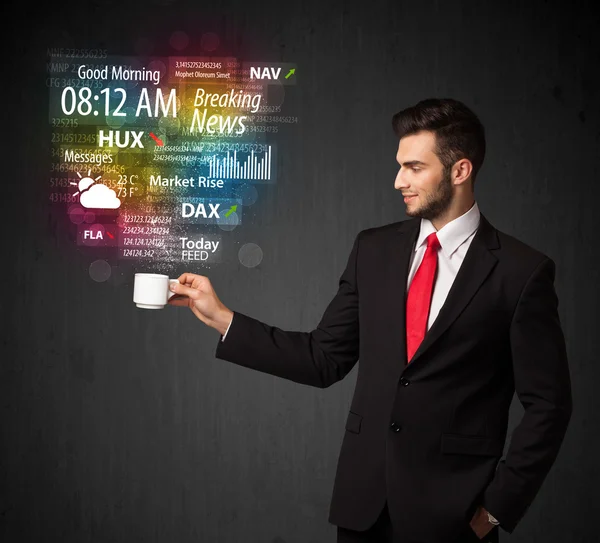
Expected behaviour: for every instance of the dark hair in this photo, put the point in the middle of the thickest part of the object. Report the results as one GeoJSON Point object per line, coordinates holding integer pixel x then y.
{"type": "Point", "coordinates": [458, 131]}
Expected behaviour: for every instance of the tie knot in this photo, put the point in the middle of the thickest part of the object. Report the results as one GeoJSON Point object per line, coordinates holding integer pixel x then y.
{"type": "Point", "coordinates": [433, 241]}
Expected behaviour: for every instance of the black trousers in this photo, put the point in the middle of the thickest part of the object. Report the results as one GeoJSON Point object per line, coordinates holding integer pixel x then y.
{"type": "Point", "coordinates": [382, 532]}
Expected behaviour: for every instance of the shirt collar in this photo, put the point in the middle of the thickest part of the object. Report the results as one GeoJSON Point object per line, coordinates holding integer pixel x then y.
{"type": "Point", "coordinates": [453, 234]}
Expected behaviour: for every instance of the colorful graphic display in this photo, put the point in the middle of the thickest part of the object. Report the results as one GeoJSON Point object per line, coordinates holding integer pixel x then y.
{"type": "Point", "coordinates": [153, 158]}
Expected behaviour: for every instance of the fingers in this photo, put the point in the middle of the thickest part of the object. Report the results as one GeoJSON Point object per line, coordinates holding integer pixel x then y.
{"type": "Point", "coordinates": [189, 278]}
{"type": "Point", "coordinates": [180, 301]}
{"type": "Point", "coordinates": [184, 290]}
{"type": "Point", "coordinates": [200, 282]}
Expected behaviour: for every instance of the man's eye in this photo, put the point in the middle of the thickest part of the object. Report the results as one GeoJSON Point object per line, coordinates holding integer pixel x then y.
{"type": "Point", "coordinates": [415, 169]}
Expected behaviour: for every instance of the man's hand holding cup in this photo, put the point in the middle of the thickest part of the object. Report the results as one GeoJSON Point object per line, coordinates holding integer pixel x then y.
{"type": "Point", "coordinates": [196, 292]}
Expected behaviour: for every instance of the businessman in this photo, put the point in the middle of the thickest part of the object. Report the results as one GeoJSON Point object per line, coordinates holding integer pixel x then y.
{"type": "Point", "coordinates": [449, 318]}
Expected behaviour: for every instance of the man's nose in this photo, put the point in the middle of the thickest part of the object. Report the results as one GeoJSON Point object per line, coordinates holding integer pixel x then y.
{"type": "Point", "coordinates": [399, 183]}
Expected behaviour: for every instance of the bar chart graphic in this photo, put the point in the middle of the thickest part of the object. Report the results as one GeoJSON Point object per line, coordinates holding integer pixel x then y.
{"type": "Point", "coordinates": [244, 165]}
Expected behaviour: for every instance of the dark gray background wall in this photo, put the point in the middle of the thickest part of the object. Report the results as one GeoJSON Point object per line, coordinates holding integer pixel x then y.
{"type": "Point", "coordinates": [119, 425]}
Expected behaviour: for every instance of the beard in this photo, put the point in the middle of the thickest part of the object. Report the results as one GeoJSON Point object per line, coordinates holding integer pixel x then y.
{"type": "Point", "coordinates": [438, 202]}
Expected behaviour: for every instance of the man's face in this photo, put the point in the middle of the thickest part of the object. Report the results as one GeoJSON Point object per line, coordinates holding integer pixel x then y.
{"type": "Point", "coordinates": [422, 177]}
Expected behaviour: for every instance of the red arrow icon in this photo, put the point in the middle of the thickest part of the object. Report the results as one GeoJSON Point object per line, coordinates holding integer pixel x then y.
{"type": "Point", "coordinates": [158, 141]}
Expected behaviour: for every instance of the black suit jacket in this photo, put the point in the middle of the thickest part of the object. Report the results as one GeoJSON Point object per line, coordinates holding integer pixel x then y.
{"type": "Point", "coordinates": [429, 436]}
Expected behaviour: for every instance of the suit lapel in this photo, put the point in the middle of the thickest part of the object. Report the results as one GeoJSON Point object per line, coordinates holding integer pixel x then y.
{"type": "Point", "coordinates": [476, 266]}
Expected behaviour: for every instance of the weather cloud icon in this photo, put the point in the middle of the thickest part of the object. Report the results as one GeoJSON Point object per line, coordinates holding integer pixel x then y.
{"type": "Point", "coordinates": [99, 197]}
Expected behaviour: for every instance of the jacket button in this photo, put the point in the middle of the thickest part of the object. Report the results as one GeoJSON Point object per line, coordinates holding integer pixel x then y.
{"type": "Point", "coordinates": [395, 427]}
{"type": "Point", "coordinates": [404, 382]}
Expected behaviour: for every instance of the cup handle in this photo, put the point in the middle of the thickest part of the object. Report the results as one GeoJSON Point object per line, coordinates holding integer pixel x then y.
{"type": "Point", "coordinates": [170, 294]}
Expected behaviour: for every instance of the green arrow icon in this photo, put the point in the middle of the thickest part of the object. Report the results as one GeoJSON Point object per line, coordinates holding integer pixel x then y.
{"type": "Point", "coordinates": [291, 72]}
{"type": "Point", "coordinates": [231, 210]}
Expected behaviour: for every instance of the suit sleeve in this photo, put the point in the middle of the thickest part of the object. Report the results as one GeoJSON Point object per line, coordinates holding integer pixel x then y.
{"type": "Point", "coordinates": [318, 358]}
{"type": "Point", "coordinates": [543, 386]}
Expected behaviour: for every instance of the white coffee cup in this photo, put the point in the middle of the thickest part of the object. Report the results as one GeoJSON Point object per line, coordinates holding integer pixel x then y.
{"type": "Point", "coordinates": [151, 290]}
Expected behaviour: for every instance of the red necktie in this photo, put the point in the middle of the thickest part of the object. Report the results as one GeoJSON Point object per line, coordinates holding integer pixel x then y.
{"type": "Point", "coordinates": [419, 297]}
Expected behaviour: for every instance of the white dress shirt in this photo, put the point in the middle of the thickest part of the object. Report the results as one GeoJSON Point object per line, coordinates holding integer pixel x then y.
{"type": "Point", "coordinates": [455, 238]}
{"type": "Point", "coordinates": [223, 339]}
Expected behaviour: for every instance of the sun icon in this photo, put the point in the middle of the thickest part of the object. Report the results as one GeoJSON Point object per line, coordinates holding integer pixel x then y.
{"type": "Point", "coordinates": [85, 182]}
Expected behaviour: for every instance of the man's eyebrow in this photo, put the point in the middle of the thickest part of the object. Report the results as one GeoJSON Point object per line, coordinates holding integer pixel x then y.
{"type": "Point", "coordinates": [412, 163]}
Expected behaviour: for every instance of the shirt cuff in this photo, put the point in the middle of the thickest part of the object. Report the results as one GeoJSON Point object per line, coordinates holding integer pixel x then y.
{"type": "Point", "coordinates": [223, 338]}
